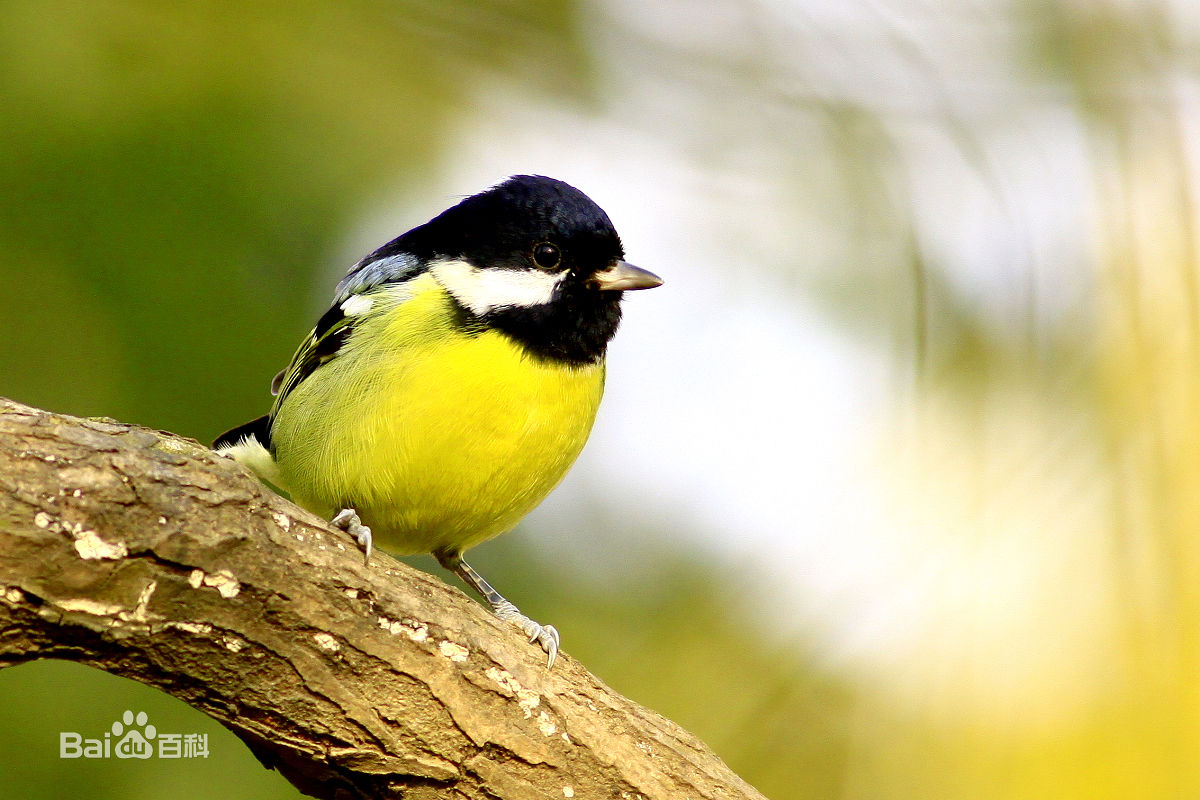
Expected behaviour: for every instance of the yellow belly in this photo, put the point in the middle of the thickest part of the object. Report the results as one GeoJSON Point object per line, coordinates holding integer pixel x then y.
{"type": "Point", "coordinates": [438, 439]}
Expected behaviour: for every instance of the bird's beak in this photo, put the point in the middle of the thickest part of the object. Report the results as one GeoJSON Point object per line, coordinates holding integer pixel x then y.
{"type": "Point", "coordinates": [622, 276]}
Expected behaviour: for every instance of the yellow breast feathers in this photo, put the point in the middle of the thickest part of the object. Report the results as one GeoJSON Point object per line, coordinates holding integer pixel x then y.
{"type": "Point", "coordinates": [440, 437]}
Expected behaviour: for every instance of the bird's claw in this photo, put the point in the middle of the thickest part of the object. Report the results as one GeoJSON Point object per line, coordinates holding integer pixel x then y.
{"type": "Point", "coordinates": [347, 519]}
{"type": "Point", "coordinates": [545, 635]}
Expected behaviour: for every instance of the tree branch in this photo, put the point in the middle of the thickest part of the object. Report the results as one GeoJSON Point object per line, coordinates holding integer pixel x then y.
{"type": "Point", "coordinates": [147, 555]}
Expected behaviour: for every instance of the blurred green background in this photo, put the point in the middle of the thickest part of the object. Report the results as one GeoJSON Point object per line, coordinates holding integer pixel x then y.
{"type": "Point", "coordinates": [894, 493]}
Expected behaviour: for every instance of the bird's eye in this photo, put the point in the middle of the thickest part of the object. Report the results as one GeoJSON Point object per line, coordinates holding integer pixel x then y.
{"type": "Point", "coordinates": [546, 255]}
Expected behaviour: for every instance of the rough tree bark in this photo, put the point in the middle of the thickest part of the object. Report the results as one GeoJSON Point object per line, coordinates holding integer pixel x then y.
{"type": "Point", "coordinates": [146, 555]}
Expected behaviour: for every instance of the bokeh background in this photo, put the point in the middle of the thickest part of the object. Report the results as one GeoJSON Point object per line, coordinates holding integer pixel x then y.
{"type": "Point", "coordinates": [896, 490]}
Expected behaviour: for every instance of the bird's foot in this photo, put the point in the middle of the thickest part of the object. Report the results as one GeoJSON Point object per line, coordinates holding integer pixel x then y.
{"type": "Point", "coordinates": [347, 519]}
{"type": "Point", "coordinates": [545, 635]}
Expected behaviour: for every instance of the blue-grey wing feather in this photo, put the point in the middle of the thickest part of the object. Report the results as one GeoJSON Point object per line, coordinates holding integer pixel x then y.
{"type": "Point", "coordinates": [372, 272]}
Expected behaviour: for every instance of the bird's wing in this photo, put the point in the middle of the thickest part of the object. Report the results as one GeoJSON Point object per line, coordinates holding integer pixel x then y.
{"type": "Point", "coordinates": [353, 301]}
{"type": "Point", "coordinates": [378, 269]}
{"type": "Point", "coordinates": [321, 346]}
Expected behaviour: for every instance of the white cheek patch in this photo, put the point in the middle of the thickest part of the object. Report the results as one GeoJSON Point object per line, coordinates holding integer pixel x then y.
{"type": "Point", "coordinates": [484, 290]}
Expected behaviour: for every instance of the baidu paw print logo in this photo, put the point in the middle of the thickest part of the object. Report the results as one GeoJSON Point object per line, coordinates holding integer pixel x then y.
{"type": "Point", "coordinates": [135, 743]}
{"type": "Point", "coordinates": [132, 736]}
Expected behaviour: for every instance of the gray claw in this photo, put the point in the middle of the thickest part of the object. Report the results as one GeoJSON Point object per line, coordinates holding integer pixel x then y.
{"type": "Point", "coordinates": [545, 635]}
{"type": "Point", "coordinates": [347, 519]}
{"type": "Point", "coordinates": [548, 639]}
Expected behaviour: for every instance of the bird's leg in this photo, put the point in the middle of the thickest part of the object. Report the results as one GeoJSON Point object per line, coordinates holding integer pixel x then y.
{"type": "Point", "coordinates": [545, 635]}
{"type": "Point", "coordinates": [347, 519]}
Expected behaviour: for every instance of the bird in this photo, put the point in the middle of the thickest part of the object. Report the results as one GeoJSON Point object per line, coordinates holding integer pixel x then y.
{"type": "Point", "coordinates": [454, 379]}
